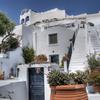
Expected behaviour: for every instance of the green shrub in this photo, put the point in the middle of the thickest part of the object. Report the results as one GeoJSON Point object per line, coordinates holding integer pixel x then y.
{"type": "Point", "coordinates": [28, 54]}
{"type": "Point", "coordinates": [93, 62]}
{"type": "Point", "coordinates": [59, 78]}
{"type": "Point", "coordinates": [81, 77]}
{"type": "Point", "coordinates": [8, 44]}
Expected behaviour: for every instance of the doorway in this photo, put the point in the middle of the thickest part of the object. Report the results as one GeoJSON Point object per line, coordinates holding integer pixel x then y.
{"type": "Point", "coordinates": [36, 83]}
{"type": "Point", "coordinates": [54, 59]}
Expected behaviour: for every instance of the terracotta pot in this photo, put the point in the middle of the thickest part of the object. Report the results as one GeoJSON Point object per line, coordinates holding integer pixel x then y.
{"type": "Point", "coordinates": [53, 92]}
{"type": "Point", "coordinates": [69, 92]}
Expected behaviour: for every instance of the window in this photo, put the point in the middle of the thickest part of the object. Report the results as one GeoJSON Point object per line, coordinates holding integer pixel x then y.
{"type": "Point", "coordinates": [22, 21]}
{"type": "Point", "coordinates": [27, 18]}
{"type": "Point", "coordinates": [53, 38]}
{"type": "Point", "coordinates": [54, 59]}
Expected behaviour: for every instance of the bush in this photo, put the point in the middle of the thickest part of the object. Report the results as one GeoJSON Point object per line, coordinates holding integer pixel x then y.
{"type": "Point", "coordinates": [9, 44]}
{"type": "Point", "coordinates": [28, 54]}
{"type": "Point", "coordinates": [81, 77]}
{"type": "Point", "coordinates": [13, 42]}
{"type": "Point", "coordinates": [93, 62]}
{"type": "Point", "coordinates": [59, 78]}
{"type": "Point", "coordinates": [97, 80]}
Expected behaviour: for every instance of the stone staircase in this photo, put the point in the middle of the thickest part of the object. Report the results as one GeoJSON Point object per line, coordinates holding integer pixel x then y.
{"type": "Point", "coordinates": [94, 38]}
{"type": "Point", "coordinates": [78, 57]}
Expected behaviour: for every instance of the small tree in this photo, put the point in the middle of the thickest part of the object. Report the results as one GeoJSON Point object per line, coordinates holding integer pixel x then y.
{"type": "Point", "coordinates": [6, 26]}
{"type": "Point", "coordinates": [9, 44]}
{"type": "Point", "coordinates": [28, 54]}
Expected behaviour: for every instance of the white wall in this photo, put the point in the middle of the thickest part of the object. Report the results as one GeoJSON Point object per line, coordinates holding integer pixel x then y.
{"type": "Point", "coordinates": [18, 30]}
{"type": "Point", "coordinates": [17, 91]}
{"type": "Point", "coordinates": [47, 90]}
{"type": "Point", "coordinates": [94, 18]}
{"type": "Point", "coordinates": [27, 36]}
{"type": "Point", "coordinates": [29, 13]}
{"type": "Point", "coordinates": [46, 86]}
{"type": "Point", "coordinates": [39, 40]}
{"type": "Point", "coordinates": [56, 13]}
{"type": "Point", "coordinates": [14, 58]}
{"type": "Point", "coordinates": [34, 17]}
{"type": "Point", "coordinates": [43, 46]}
{"type": "Point", "coordinates": [23, 76]}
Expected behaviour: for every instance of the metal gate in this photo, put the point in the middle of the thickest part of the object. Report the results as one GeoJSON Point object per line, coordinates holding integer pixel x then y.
{"type": "Point", "coordinates": [36, 83]}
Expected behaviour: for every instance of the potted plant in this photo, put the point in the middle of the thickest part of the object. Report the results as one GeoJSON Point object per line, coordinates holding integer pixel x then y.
{"type": "Point", "coordinates": [41, 58]}
{"type": "Point", "coordinates": [93, 63]}
{"type": "Point", "coordinates": [67, 86]}
{"type": "Point", "coordinates": [97, 84]}
{"type": "Point", "coordinates": [94, 81]}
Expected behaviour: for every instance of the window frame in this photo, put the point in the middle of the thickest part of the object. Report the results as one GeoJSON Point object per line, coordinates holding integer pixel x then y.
{"type": "Point", "coordinates": [27, 19]}
{"type": "Point", "coordinates": [51, 41]}
{"type": "Point", "coordinates": [22, 21]}
{"type": "Point", "coordinates": [56, 55]}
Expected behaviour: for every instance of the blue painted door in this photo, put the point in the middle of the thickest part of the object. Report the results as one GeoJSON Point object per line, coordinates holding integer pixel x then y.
{"type": "Point", "coordinates": [36, 83]}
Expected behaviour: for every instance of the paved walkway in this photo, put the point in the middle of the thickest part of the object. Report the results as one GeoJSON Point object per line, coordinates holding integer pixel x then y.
{"type": "Point", "coordinates": [94, 96]}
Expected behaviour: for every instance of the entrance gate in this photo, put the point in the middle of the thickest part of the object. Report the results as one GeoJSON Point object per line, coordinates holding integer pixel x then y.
{"type": "Point", "coordinates": [36, 83]}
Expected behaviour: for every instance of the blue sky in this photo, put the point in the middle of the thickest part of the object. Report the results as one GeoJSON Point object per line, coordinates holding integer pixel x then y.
{"type": "Point", "coordinates": [13, 7]}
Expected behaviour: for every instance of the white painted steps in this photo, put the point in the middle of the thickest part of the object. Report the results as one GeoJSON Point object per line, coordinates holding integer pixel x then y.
{"type": "Point", "coordinates": [82, 46]}
{"type": "Point", "coordinates": [78, 58]}
{"type": "Point", "coordinates": [95, 41]}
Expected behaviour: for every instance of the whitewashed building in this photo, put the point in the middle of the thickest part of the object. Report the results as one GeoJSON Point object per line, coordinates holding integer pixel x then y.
{"type": "Point", "coordinates": [48, 33]}
{"type": "Point", "coordinates": [55, 33]}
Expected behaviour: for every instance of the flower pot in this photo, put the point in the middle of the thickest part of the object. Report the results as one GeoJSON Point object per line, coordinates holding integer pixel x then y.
{"type": "Point", "coordinates": [69, 92]}
{"type": "Point", "coordinates": [53, 92]}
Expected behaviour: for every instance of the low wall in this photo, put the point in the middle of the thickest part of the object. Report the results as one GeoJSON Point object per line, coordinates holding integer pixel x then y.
{"type": "Point", "coordinates": [14, 91]}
